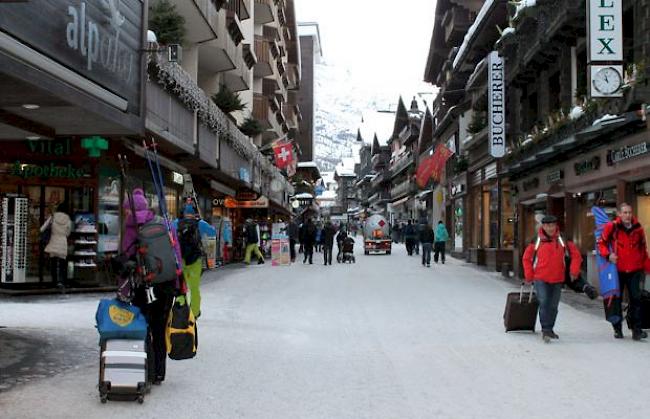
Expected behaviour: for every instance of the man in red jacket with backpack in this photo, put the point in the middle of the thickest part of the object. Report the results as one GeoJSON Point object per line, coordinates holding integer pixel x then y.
{"type": "Point", "coordinates": [543, 263]}
{"type": "Point", "coordinates": [626, 239]}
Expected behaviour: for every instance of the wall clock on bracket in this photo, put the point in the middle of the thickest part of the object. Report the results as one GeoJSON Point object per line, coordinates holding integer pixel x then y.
{"type": "Point", "coordinates": [606, 80]}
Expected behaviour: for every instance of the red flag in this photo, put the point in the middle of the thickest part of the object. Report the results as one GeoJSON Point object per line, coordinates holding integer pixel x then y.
{"type": "Point", "coordinates": [424, 171]}
{"type": "Point", "coordinates": [291, 168]}
{"type": "Point", "coordinates": [283, 154]}
{"type": "Point", "coordinates": [440, 157]}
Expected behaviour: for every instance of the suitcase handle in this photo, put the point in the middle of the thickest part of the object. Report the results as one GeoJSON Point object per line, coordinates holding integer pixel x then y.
{"type": "Point", "coordinates": [530, 294]}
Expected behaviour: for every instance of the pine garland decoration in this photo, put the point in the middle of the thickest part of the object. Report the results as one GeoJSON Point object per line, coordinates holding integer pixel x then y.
{"type": "Point", "coordinates": [251, 127]}
{"type": "Point", "coordinates": [227, 100]}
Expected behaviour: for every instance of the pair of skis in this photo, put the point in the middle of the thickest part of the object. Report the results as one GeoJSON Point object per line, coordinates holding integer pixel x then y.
{"type": "Point", "coordinates": [151, 155]}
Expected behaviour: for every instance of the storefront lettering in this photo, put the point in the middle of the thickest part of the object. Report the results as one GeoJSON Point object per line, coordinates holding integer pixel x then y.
{"type": "Point", "coordinates": [587, 166]}
{"type": "Point", "coordinates": [496, 104]}
{"type": "Point", "coordinates": [96, 43]}
{"type": "Point", "coordinates": [555, 176]}
{"type": "Point", "coordinates": [626, 152]}
{"type": "Point", "coordinates": [605, 30]}
{"type": "Point", "coordinates": [46, 171]}
{"type": "Point", "coordinates": [50, 148]}
{"type": "Point", "coordinates": [531, 184]}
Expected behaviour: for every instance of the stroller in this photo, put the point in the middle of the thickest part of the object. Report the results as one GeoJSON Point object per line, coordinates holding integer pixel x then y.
{"type": "Point", "coordinates": [347, 251]}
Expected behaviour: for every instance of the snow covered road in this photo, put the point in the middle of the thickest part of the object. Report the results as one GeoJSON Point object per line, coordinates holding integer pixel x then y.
{"type": "Point", "coordinates": [382, 338]}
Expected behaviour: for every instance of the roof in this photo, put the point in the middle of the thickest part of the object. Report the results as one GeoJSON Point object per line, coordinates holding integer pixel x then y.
{"type": "Point", "coordinates": [380, 123]}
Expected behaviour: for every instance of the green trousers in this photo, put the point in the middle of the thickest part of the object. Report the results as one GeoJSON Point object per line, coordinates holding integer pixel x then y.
{"type": "Point", "coordinates": [192, 274]}
{"type": "Point", "coordinates": [253, 247]}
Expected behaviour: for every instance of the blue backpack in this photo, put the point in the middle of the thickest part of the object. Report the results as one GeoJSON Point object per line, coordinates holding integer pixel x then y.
{"type": "Point", "coordinates": [119, 320]}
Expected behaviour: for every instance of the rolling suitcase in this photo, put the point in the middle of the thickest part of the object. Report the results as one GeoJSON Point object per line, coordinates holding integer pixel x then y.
{"type": "Point", "coordinates": [122, 370]}
{"type": "Point", "coordinates": [521, 310]}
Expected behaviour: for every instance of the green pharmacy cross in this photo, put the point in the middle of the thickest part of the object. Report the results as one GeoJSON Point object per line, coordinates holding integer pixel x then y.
{"type": "Point", "coordinates": [94, 145]}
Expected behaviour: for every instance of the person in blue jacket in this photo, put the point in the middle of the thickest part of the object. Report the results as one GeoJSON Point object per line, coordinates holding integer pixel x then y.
{"type": "Point", "coordinates": [441, 237]}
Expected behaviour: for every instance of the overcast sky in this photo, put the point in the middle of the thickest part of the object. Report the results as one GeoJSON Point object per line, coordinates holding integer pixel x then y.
{"type": "Point", "coordinates": [383, 43]}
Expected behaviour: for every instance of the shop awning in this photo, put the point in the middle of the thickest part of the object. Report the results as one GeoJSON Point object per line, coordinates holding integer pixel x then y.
{"type": "Point", "coordinates": [423, 194]}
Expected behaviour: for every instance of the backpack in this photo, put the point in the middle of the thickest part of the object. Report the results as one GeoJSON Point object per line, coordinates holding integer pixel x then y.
{"type": "Point", "coordinates": [189, 239]}
{"type": "Point", "coordinates": [251, 234]}
{"type": "Point", "coordinates": [156, 253]}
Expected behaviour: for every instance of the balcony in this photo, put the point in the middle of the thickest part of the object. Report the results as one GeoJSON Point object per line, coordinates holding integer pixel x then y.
{"type": "Point", "coordinates": [261, 111]}
{"type": "Point", "coordinates": [239, 8]}
{"type": "Point", "coordinates": [379, 179]}
{"type": "Point", "coordinates": [199, 17]}
{"type": "Point", "coordinates": [249, 56]}
{"type": "Point", "coordinates": [282, 17]}
{"type": "Point", "coordinates": [239, 78]}
{"type": "Point", "coordinates": [264, 66]}
{"type": "Point", "coordinates": [379, 198]}
{"type": "Point", "coordinates": [282, 70]}
{"type": "Point", "coordinates": [219, 54]}
{"type": "Point", "coordinates": [264, 12]}
{"type": "Point", "coordinates": [402, 189]}
{"type": "Point", "coordinates": [456, 23]}
{"type": "Point", "coordinates": [402, 163]}
{"type": "Point", "coordinates": [379, 162]}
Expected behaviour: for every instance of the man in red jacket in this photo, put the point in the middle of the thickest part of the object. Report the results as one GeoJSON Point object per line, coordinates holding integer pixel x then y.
{"type": "Point", "coordinates": [626, 239]}
{"type": "Point", "coordinates": [543, 263]}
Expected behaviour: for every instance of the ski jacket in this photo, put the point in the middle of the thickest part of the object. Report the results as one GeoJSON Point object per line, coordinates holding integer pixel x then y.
{"type": "Point", "coordinates": [628, 244]}
{"type": "Point", "coordinates": [328, 235]}
{"type": "Point", "coordinates": [426, 235]}
{"type": "Point", "coordinates": [547, 263]}
{"type": "Point", "coordinates": [61, 229]}
{"type": "Point", "coordinates": [441, 233]}
{"type": "Point", "coordinates": [409, 231]}
{"type": "Point", "coordinates": [308, 234]}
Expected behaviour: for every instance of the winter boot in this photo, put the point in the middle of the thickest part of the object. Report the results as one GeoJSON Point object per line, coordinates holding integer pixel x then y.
{"type": "Point", "coordinates": [618, 331]}
{"type": "Point", "coordinates": [591, 292]}
{"type": "Point", "coordinates": [554, 335]}
{"type": "Point", "coordinates": [547, 335]}
{"type": "Point", "coordinates": [638, 334]}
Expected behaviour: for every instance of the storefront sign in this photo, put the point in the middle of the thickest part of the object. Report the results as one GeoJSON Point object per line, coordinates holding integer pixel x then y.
{"type": "Point", "coordinates": [587, 166]}
{"type": "Point", "coordinates": [496, 105]}
{"type": "Point", "coordinates": [531, 184]}
{"type": "Point", "coordinates": [457, 189]}
{"type": "Point", "coordinates": [262, 202]}
{"type": "Point", "coordinates": [99, 39]}
{"type": "Point", "coordinates": [555, 176]}
{"type": "Point", "coordinates": [47, 171]}
{"type": "Point", "coordinates": [605, 28]}
{"type": "Point", "coordinates": [50, 147]}
{"type": "Point", "coordinates": [627, 152]}
{"type": "Point", "coordinates": [247, 196]}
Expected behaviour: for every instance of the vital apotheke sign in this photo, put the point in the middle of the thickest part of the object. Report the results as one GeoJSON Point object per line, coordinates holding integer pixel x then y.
{"type": "Point", "coordinates": [496, 105]}
{"type": "Point", "coordinates": [605, 30]}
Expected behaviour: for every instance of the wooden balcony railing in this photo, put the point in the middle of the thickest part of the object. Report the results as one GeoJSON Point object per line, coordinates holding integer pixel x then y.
{"type": "Point", "coordinates": [261, 108]}
{"type": "Point", "coordinates": [262, 50]}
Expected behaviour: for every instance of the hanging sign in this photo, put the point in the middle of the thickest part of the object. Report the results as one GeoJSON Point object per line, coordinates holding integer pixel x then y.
{"type": "Point", "coordinates": [496, 105]}
{"type": "Point", "coordinates": [605, 28]}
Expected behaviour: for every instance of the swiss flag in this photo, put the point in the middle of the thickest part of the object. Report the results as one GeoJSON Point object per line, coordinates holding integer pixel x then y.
{"type": "Point", "coordinates": [283, 154]}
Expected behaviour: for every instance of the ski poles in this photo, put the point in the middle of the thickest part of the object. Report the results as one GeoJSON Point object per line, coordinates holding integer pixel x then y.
{"type": "Point", "coordinates": [151, 154]}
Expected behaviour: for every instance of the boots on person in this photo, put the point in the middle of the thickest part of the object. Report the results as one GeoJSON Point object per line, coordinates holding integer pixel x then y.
{"type": "Point", "coordinates": [638, 334]}
{"type": "Point", "coordinates": [618, 331]}
{"type": "Point", "coordinates": [591, 292]}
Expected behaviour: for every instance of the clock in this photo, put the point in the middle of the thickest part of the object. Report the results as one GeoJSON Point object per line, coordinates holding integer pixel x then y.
{"type": "Point", "coordinates": [606, 81]}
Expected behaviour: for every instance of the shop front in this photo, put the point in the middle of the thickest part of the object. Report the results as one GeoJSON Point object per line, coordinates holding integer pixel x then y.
{"type": "Point", "coordinates": [455, 219]}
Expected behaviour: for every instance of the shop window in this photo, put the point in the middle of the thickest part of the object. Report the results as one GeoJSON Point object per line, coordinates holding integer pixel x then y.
{"type": "Point", "coordinates": [507, 217]}
{"type": "Point", "coordinates": [476, 225]}
{"type": "Point", "coordinates": [585, 225]}
{"type": "Point", "coordinates": [642, 210]}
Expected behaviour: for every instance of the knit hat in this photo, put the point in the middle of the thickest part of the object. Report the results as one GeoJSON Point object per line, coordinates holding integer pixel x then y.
{"type": "Point", "coordinates": [549, 219]}
{"type": "Point", "coordinates": [139, 201]}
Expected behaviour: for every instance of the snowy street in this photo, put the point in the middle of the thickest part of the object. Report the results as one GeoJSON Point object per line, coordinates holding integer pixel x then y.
{"type": "Point", "coordinates": [382, 338]}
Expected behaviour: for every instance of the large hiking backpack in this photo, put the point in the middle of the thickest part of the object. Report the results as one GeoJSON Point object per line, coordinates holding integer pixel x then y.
{"type": "Point", "coordinates": [189, 239]}
{"type": "Point", "coordinates": [251, 234]}
{"type": "Point", "coordinates": [156, 252]}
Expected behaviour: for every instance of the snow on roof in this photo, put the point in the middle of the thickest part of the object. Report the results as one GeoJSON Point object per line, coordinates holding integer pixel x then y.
{"type": "Point", "coordinates": [487, 6]}
{"type": "Point", "coordinates": [304, 195]}
{"type": "Point", "coordinates": [377, 122]}
{"type": "Point", "coordinates": [307, 164]}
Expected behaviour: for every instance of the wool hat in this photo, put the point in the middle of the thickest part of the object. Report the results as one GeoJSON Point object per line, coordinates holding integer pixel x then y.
{"type": "Point", "coordinates": [139, 201]}
{"type": "Point", "coordinates": [549, 219]}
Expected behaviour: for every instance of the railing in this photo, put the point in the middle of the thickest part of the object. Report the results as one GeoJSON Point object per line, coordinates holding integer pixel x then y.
{"type": "Point", "coordinates": [262, 50]}
{"type": "Point", "coordinates": [261, 109]}
{"type": "Point", "coordinates": [238, 7]}
{"type": "Point", "coordinates": [402, 188]}
{"type": "Point", "coordinates": [402, 164]}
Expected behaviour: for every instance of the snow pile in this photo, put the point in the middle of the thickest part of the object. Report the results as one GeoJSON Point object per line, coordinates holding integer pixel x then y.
{"type": "Point", "coordinates": [604, 118]}
{"type": "Point", "coordinates": [523, 5]}
{"type": "Point", "coordinates": [576, 113]}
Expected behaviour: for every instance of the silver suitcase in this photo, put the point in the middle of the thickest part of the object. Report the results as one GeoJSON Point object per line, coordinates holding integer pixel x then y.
{"type": "Point", "coordinates": [122, 370]}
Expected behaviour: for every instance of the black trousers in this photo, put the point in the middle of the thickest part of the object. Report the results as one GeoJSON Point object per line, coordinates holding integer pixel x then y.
{"type": "Point", "coordinates": [439, 249]}
{"type": "Point", "coordinates": [157, 314]}
{"type": "Point", "coordinates": [309, 252]}
{"type": "Point", "coordinates": [59, 270]}
{"type": "Point", "coordinates": [410, 243]}
{"type": "Point", "coordinates": [292, 249]}
{"type": "Point", "coordinates": [327, 253]}
{"type": "Point", "coordinates": [631, 281]}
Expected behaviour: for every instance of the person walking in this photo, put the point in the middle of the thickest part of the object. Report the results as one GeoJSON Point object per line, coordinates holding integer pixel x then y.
{"type": "Point", "coordinates": [292, 231]}
{"type": "Point", "coordinates": [252, 235]}
{"type": "Point", "coordinates": [340, 238]}
{"type": "Point", "coordinates": [543, 262]}
{"type": "Point", "coordinates": [441, 241]}
{"type": "Point", "coordinates": [319, 237]}
{"type": "Point", "coordinates": [328, 242]}
{"type": "Point", "coordinates": [60, 226]}
{"type": "Point", "coordinates": [189, 239]}
{"type": "Point", "coordinates": [409, 237]}
{"type": "Point", "coordinates": [426, 238]}
{"type": "Point", "coordinates": [308, 240]}
{"type": "Point", "coordinates": [157, 311]}
{"type": "Point", "coordinates": [626, 239]}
